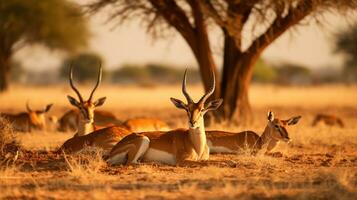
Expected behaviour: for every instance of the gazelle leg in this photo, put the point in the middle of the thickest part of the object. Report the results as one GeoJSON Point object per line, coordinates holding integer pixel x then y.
{"type": "Point", "coordinates": [129, 151]}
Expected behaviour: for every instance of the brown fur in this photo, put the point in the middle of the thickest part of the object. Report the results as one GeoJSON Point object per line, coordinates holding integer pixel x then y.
{"type": "Point", "coordinates": [104, 138]}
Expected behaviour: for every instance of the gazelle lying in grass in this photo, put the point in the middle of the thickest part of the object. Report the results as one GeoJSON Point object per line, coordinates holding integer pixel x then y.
{"type": "Point", "coordinates": [71, 119]}
{"type": "Point", "coordinates": [105, 138]}
{"type": "Point", "coordinates": [170, 147]}
{"type": "Point", "coordinates": [85, 117]}
{"type": "Point", "coordinates": [28, 121]}
{"type": "Point", "coordinates": [330, 120]}
{"type": "Point", "coordinates": [275, 131]}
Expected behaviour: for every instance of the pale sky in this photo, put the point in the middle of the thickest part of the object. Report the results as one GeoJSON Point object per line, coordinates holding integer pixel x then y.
{"type": "Point", "coordinates": [308, 45]}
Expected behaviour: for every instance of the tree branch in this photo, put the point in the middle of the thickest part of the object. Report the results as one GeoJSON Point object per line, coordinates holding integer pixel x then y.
{"type": "Point", "coordinates": [176, 17]}
{"type": "Point", "coordinates": [280, 25]}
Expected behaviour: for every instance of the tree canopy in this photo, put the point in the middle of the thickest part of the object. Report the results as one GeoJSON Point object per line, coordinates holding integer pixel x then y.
{"type": "Point", "coordinates": [57, 24]}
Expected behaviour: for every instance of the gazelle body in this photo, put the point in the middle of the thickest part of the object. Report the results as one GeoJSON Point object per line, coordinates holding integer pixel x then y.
{"type": "Point", "coordinates": [86, 136]}
{"type": "Point", "coordinates": [330, 120]}
{"type": "Point", "coordinates": [71, 119]}
{"type": "Point", "coordinates": [103, 139]}
{"type": "Point", "coordinates": [170, 147]}
{"type": "Point", "coordinates": [275, 131]}
{"type": "Point", "coordinates": [28, 121]}
{"type": "Point", "coordinates": [145, 125]}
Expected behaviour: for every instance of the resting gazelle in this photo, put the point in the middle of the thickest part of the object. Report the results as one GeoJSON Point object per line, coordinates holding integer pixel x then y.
{"type": "Point", "coordinates": [171, 147]}
{"type": "Point", "coordinates": [84, 116]}
{"type": "Point", "coordinates": [28, 121]}
{"type": "Point", "coordinates": [103, 139]}
{"type": "Point", "coordinates": [275, 131]}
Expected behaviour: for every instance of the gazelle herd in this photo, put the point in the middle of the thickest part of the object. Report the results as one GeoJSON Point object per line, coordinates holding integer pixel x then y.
{"type": "Point", "coordinates": [152, 140]}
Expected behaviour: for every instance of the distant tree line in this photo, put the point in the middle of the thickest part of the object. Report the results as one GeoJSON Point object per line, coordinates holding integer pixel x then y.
{"type": "Point", "coordinates": [86, 66]}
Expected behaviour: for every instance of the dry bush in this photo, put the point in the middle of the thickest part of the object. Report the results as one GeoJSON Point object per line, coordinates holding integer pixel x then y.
{"type": "Point", "coordinates": [6, 135]}
{"type": "Point", "coordinates": [86, 166]}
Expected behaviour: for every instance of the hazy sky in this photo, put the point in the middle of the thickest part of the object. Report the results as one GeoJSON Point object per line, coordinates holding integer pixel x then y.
{"type": "Point", "coordinates": [307, 44]}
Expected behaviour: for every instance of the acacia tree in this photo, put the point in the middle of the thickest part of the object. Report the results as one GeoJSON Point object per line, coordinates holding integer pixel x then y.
{"type": "Point", "coordinates": [57, 24]}
{"type": "Point", "coordinates": [191, 18]}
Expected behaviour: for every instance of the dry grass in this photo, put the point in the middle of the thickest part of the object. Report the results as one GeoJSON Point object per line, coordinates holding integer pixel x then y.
{"type": "Point", "coordinates": [321, 163]}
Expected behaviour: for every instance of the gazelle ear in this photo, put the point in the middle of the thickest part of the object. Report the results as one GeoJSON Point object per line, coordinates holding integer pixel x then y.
{"type": "Point", "coordinates": [293, 120]}
{"type": "Point", "coordinates": [73, 101]}
{"type": "Point", "coordinates": [270, 116]}
{"type": "Point", "coordinates": [178, 103]}
{"type": "Point", "coordinates": [48, 107]}
{"type": "Point", "coordinates": [100, 101]}
{"type": "Point", "coordinates": [213, 105]}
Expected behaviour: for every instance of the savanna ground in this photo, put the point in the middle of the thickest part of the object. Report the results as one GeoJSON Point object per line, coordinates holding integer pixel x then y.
{"type": "Point", "coordinates": [320, 163]}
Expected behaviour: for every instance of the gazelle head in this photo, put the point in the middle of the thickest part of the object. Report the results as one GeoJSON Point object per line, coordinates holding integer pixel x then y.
{"type": "Point", "coordinates": [196, 111]}
{"type": "Point", "coordinates": [277, 127]}
{"type": "Point", "coordinates": [86, 107]}
{"type": "Point", "coordinates": [38, 117]}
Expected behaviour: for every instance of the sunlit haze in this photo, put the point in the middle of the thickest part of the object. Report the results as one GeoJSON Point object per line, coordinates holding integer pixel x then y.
{"type": "Point", "coordinates": [308, 44]}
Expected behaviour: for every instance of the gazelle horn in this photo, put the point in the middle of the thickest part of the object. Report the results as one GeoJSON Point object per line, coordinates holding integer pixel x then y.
{"type": "Point", "coordinates": [188, 98]}
{"type": "Point", "coordinates": [99, 79]}
{"type": "Point", "coordinates": [72, 85]}
{"type": "Point", "coordinates": [210, 92]}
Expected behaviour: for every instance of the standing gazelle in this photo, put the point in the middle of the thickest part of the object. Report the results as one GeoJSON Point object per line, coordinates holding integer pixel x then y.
{"type": "Point", "coordinates": [275, 131]}
{"type": "Point", "coordinates": [86, 108]}
{"type": "Point", "coordinates": [28, 121]}
{"type": "Point", "coordinates": [170, 147]}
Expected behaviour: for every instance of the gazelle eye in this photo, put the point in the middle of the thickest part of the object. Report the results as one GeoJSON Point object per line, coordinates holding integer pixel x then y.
{"type": "Point", "coordinates": [277, 126]}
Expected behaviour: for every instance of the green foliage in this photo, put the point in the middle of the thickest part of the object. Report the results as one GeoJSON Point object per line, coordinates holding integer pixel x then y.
{"type": "Point", "coordinates": [54, 23]}
{"type": "Point", "coordinates": [263, 72]}
{"type": "Point", "coordinates": [152, 73]}
{"type": "Point", "coordinates": [85, 66]}
{"type": "Point", "coordinates": [292, 73]}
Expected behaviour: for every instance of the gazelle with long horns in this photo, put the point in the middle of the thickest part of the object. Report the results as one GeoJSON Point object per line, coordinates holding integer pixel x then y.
{"type": "Point", "coordinates": [275, 131]}
{"type": "Point", "coordinates": [28, 121]}
{"type": "Point", "coordinates": [171, 147]}
{"type": "Point", "coordinates": [103, 139]}
{"type": "Point", "coordinates": [85, 107]}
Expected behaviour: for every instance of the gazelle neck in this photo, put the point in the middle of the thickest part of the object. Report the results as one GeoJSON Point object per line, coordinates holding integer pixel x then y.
{"type": "Point", "coordinates": [84, 126]}
{"type": "Point", "coordinates": [198, 137]}
{"type": "Point", "coordinates": [266, 137]}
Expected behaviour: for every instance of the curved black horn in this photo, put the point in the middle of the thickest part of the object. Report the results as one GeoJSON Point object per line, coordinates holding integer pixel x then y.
{"type": "Point", "coordinates": [99, 79]}
{"type": "Point", "coordinates": [72, 85]}
{"type": "Point", "coordinates": [184, 91]}
{"type": "Point", "coordinates": [28, 106]}
{"type": "Point", "coordinates": [210, 91]}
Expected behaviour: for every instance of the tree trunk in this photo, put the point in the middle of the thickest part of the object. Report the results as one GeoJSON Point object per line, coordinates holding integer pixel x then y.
{"type": "Point", "coordinates": [4, 72]}
{"type": "Point", "coordinates": [236, 78]}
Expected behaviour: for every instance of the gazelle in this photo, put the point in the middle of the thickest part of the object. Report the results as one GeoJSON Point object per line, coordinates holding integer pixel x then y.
{"type": "Point", "coordinates": [71, 119]}
{"type": "Point", "coordinates": [103, 139]}
{"type": "Point", "coordinates": [275, 131]}
{"type": "Point", "coordinates": [170, 147]}
{"type": "Point", "coordinates": [86, 108]}
{"type": "Point", "coordinates": [28, 121]}
{"type": "Point", "coordinates": [329, 120]}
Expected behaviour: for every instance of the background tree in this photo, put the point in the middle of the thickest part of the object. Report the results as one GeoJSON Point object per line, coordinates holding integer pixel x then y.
{"type": "Point", "coordinates": [57, 24]}
{"type": "Point", "coordinates": [346, 43]}
{"type": "Point", "coordinates": [85, 66]}
{"type": "Point", "coordinates": [191, 18]}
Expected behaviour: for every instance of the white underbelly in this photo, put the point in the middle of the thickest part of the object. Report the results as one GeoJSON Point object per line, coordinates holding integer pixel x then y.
{"type": "Point", "coordinates": [154, 155]}
{"type": "Point", "coordinates": [218, 149]}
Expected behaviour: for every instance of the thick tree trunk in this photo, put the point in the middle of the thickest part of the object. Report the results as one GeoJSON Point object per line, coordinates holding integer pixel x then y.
{"type": "Point", "coordinates": [4, 72]}
{"type": "Point", "coordinates": [236, 78]}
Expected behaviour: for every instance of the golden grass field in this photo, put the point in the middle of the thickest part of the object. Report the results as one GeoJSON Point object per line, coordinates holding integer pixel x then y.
{"type": "Point", "coordinates": [320, 163]}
